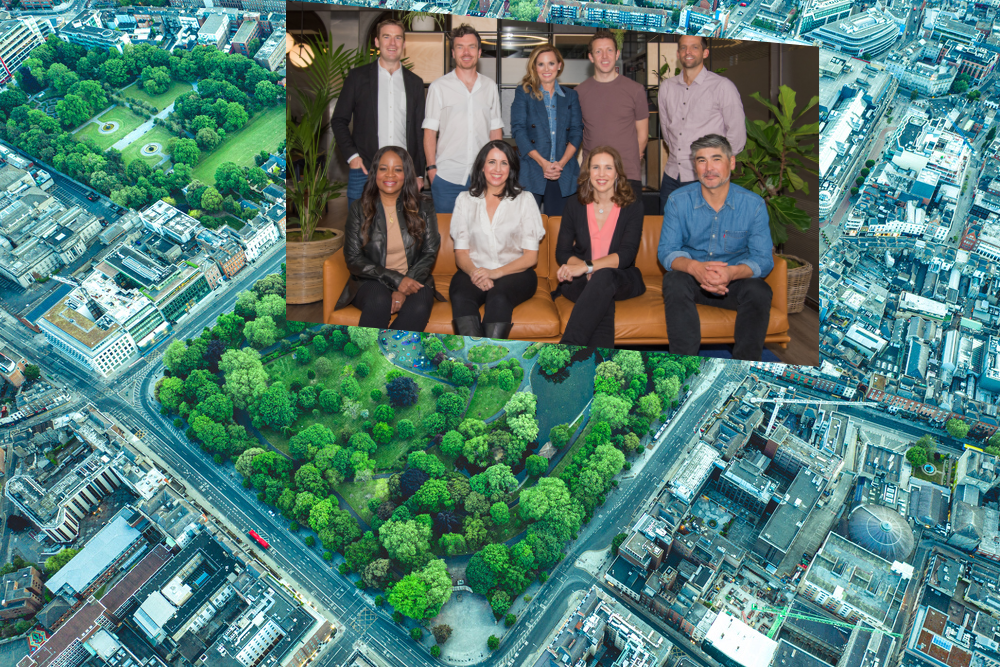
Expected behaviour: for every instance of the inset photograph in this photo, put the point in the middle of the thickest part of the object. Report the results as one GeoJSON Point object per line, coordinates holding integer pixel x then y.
{"type": "Point", "coordinates": [597, 188]}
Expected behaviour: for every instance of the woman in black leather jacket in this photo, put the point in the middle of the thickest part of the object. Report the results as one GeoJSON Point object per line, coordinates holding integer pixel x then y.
{"type": "Point", "coordinates": [390, 263]}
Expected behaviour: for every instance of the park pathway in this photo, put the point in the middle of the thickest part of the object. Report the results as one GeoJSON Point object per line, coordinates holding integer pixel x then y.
{"type": "Point", "coordinates": [94, 118]}
{"type": "Point", "coordinates": [137, 133]}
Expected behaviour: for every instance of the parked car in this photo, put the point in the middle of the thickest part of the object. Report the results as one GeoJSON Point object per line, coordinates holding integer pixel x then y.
{"type": "Point", "coordinates": [92, 197]}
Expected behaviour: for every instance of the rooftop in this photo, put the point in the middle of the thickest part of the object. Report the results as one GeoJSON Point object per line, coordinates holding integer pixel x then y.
{"type": "Point", "coordinates": [794, 509]}
{"type": "Point", "coordinates": [101, 552]}
{"type": "Point", "coordinates": [739, 642]}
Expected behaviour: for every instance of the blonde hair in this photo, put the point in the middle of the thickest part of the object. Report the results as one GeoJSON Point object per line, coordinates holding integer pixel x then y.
{"type": "Point", "coordinates": [531, 83]}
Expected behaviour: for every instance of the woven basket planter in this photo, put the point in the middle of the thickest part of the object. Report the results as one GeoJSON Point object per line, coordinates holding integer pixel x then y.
{"type": "Point", "coordinates": [304, 264]}
{"type": "Point", "coordinates": [798, 284]}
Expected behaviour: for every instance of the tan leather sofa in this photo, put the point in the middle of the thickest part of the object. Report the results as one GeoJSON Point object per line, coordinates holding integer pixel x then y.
{"type": "Point", "coordinates": [638, 321]}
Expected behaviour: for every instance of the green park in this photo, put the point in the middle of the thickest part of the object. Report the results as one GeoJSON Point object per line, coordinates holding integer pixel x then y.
{"type": "Point", "coordinates": [395, 466]}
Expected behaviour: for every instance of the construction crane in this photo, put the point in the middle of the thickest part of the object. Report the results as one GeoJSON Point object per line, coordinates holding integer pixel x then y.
{"type": "Point", "coordinates": [782, 614]}
{"type": "Point", "coordinates": [780, 401]}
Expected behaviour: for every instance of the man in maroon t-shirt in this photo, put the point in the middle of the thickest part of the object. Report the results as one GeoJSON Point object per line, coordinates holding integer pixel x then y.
{"type": "Point", "coordinates": [615, 109]}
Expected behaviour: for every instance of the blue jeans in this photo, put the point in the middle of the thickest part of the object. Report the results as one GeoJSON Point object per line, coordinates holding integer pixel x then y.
{"type": "Point", "coordinates": [445, 194]}
{"type": "Point", "coordinates": [355, 186]}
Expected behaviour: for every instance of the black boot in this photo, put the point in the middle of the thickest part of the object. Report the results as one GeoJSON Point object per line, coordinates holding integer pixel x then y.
{"type": "Point", "coordinates": [498, 330]}
{"type": "Point", "coordinates": [468, 325]}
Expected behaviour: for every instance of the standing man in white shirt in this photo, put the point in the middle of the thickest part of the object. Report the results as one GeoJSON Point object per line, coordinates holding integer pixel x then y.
{"type": "Point", "coordinates": [463, 114]}
{"type": "Point", "coordinates": [696, 104]}
{"type": "Point", "coordinates": [386, 102]}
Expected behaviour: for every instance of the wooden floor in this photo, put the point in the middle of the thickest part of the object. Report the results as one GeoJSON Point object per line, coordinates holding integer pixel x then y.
{"type": "Point", "coordinates": [803, 350]}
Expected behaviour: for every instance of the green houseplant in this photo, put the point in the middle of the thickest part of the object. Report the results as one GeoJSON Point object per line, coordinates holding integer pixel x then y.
{"type": "Point", "coordinates": [776, 153]}
{"type": "Point", "coordinates": [421, 21]}
{"type": "Point", "coordinates": [310, 187]}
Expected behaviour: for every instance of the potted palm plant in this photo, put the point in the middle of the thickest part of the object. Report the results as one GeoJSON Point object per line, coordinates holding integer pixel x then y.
{"type": "Point", "coordinates": [423, 21]}
{"type": "Point", "coordinates": [776, 153]}
{"type": "Point", "coordinates": [310, 187]}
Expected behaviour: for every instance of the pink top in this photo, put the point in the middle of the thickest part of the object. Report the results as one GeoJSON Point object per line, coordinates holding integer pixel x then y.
{"type": "Point", "coordinates": [600, 239]}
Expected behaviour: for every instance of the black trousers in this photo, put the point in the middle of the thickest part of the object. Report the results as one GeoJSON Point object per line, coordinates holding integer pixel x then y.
{"type": "Point", "coordinates": [667, 185]}
{"type": "Point", "coordinates": [552, 198]}
{"type": "Point", "coordinates": [374, 300]}
{"type": "Point", "coordinates": [592, 322]}
{"type": "Point", "coordinates": [750, 298]}
{"type": "Point", "coordinates": [500, 301]}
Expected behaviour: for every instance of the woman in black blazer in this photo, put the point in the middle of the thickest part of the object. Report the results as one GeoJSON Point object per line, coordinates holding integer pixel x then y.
{"type": "Point", "coordinates": [390, 243]}
{"type": "Point", "coordinates": [598, 240]}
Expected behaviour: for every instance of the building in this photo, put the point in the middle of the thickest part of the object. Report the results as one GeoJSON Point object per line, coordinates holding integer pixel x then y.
{"type": "Point", "coordinates": [601, 624]}
{"type": "Point", "coordinates": [271, 54]}
{"type": "Point", "coordinates": [249, 31]}
{"type": "Point", "coordinates": [11, 365]}
{"type": "Point", "coordinates": [230, 258]}
{"type": "Point", "coordinates": [214, 31]}
{"type": "Point", "coordinates": [100, 324]}
{"type": "Point", "coordinates": [18, 37]}
{"type": "Point", "coordinates": [276, 214]}
{"type": "Point", "coordinates": [791, 454]}
{"type": "Point", "coordinates": [55, 501]}
{"type": "Point", "coordinates": [735, 644]}
{"type": "Point", "coordinates": [866, 35]}
{"type": "Point", "coordinates": [743, 481]}
{"type": "Point", "coordinates": [976, 61]}
{"type": "Point", "coordinates": [775, 540]}
{"type": "Point", "coordinates": [820, 12]}
{"type": "Point", "coordinates": [923, 75]}
{"type": "Point", "coordinates": [167, 221]}
{"type": "Point", "coordinates": [94, 38]}
{"type": "Point", "coordinates": [22, 593]}
{"type": "Point", "coordinates": [256, 235]}
{"type": "Point", "coordinates": [188, 287]}
{"type": "Point", "coordinates": [686, 485]}
{"type": "Point", "coordinates": [855, 584]}
{"type": "Point", "coordinates": [113, 545]}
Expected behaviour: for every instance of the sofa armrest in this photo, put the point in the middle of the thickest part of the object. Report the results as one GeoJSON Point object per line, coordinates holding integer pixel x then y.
{"type": "Point", "coordinates": [335, 277]}
{"type": "Point", "coordinates": [778, 280]}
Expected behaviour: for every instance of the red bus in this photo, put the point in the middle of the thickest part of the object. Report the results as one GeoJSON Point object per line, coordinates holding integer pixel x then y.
{"type": "Point", "coordinates": [259, 540]}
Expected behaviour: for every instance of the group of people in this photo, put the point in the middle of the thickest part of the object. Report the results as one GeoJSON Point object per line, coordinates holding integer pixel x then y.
{"type": "Point", "coordinates": [715, 242]}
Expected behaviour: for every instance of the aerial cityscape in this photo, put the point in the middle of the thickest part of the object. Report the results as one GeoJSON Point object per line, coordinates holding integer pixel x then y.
{"type": "Point", "coordinates": [191, 479]}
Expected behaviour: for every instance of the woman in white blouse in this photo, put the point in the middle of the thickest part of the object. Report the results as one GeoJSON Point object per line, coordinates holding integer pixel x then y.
{"type": "Point", "coordinates": [496, 228]}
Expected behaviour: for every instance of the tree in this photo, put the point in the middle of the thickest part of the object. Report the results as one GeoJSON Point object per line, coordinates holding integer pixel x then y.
{"type": "Point", "coordinates": [303, 356]}
{"type": "Point", "coordinates": [262, 332]}
{"type": "Point", "coordinates": [441, 633]}
{"type": "Point", "coordinates": [340, 531]}
{"type": "Point", "coordinates": [433, 495]}
{"type": "Point", "coordinates": [329, 400]}
{"type": "Point", "coordinates": [617, 542]}
{"type": "Point", "coordinates": [405, 541]}
{"type": "Point", "coordinates": [55, 562]}
{"type": "Point", "coordinates": [525, 10]}
{"type": "Point", "coordinates": [32, 372]}
{"type": "Point", "coordinates": [500, 602]}
{"type": "Point", "coordinates": [493, 643]}
{"type": "Point", "coordinates": [402, 392]}
{"type": "Point", "coordinates": [553, 358]}
{"type": "Point", "coordinates": [184, 151]}
{"type": "Point", "coordinates": [917, 456]}
{"type": "Point", "coordinates": [494, 482]}
{"type": "Point", "coordinates": [509, 620]}
{"type": "Point", "coordinates": [500, 513]}
{"type": "Point", "coordinates": [452, 544]}
{"type": "Point", "coordinates": [211, 200]}
{"type": "Point", "coordinates": [61, 78]}
{"type": "Point", "coordinates": [208, 139]}
{"type": "Point", "coordinates": [435, 651]}
{"type": "Point", "coordinates": [422, 593]}
{"type": "Point", "coordinates": [650, 406]}
{"type": "Point", "coordinates": [349, 387]}
{"type": "Point", "coordinates": [405, 429]}
{"type": "Point", "coordinates": [274, 408]}
{"type": "Point", "coordinates": [72, 111]}
{"type": "Point", "coordinates": [377, 573]}
{"type": "Point", "coordinates": [611, 410]}
{"type": "Point", "coordinates": [155, 80]}
{"type": "Point", "coordinates": [363, 337]}
{"type": "Point", "coordinates": [309, 441]}
{"type": "Point", "coordinates": [245, 377]}
{"type": "Point", "coordinates": [362, 552]}
{"type": "Point", "coordinates": [479, 575]}
{"type": "Point", "coordinates": [382, 433]}
{"type": "Point", "coordinates": [957, 428]}
{"type": "Point", "coordinates": [536, 465]}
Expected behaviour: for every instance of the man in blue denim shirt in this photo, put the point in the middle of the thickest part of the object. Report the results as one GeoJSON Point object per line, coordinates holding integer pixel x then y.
{"type": "Point", "coordinates": [716, 247]}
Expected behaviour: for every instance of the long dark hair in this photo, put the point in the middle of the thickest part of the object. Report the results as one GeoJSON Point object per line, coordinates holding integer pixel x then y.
{"type": "Point", "coordinates": [511, 188]}
{"type": "Point", "coordinates": [410, 196]}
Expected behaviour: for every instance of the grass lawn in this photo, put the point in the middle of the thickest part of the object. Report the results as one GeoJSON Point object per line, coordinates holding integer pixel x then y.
{"type": "Point", "coordinates": [357, 495]}
{"type": "Point", "coordinates": [532, 351]}
{"type": "Point", "coordinates": [48, 94]}
{"type": "Point", "coordinates": [127, 121]}
{"type": "Point", "coordinates": [157, 134]}
{"type": "Point", "coordinates": [161, 101]}
{"type": "Point", "coordinates": [386, 456]}
{"type": "Point", "coordinates": [488, 400]}
{"type": "Point", "coordinates": [486, 353]}
{"type": "Point", "coordinates": [939, 476]}
{"type": "Point", "coordinates": [452, 342]}
{"type": "Point", "coordinates": [263, 132]}
{"type": "Point", "coordinates": [566, 460]}
{"type": "Point", "coordinates": [288, 370]}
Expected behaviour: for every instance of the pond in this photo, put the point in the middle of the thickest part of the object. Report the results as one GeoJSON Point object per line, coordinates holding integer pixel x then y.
{"type": "Point", "coordinates": [562, 396]}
